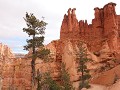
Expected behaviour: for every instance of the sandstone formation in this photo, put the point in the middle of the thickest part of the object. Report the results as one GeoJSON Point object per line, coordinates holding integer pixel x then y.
{"type": "Point", "coordinates": [104, 28]}
{"type": "Point", "coordinates": [19, 55]}
{"type": "Point", "coordinates": [101, 39]}
{"type": "Point", "coordinates": [102, 36]}
{"type": "Point", "coordinates": [115, 86]}
{"type": "Point", "coordinates": [107, 77]}
{"type": "Point", "coordinates": [5, 51]}
{"type": "Point", "coordinates": [15, 73]}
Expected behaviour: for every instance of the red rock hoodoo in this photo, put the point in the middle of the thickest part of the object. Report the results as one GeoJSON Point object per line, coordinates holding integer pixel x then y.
{"type": "Point", "coordinates": [105, 27]}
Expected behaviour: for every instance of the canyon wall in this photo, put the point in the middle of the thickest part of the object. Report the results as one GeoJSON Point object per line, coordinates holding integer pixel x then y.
{"type": "Point", "coordinates": [104, 28]}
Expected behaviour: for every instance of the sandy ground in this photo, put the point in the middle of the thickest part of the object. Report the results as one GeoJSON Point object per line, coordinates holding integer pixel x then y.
{"type": "Point", "coordinates": [96, 87]}
{"type": "Point", "coordinates": [115, 86]}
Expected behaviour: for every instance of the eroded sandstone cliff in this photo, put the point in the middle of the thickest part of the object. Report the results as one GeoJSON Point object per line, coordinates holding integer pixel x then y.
{"type": "Point", "coordinates": [5, 51]}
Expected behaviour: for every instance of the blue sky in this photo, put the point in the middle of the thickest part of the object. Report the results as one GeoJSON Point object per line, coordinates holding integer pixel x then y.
{"type": "Point", "coordinates": [13, 11]}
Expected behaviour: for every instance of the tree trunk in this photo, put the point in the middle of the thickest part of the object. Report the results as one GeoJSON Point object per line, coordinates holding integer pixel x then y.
{"type": "Point", "coordinates": [33, 72]}
{"type": "Point", "coordinates": [33, 64]}
{"type": "Point", "coordinates": [82, 75]}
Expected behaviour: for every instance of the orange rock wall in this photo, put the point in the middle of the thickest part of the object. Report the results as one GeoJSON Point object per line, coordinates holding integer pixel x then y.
{"type": "Point", "coordinates": [5, 51]}
{"type": "Point", "coordinates": [105, 26]}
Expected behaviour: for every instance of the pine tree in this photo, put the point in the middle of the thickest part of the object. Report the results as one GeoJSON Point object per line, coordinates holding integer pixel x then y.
{"type": "Point", "coordinates": [39, 80]}
{"type": "Point", "coordinates": [36, 30]}
{"type": "Point", "coordinates": [48, 80]}
{"type": "Point", "coordinates": [65, 78]}
{"type": "Point", "coordinates": [82, 59]}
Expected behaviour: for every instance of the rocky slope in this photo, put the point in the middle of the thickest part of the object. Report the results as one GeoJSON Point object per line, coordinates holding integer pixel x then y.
{"type": "Point", "coordinates": [101, 38]}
